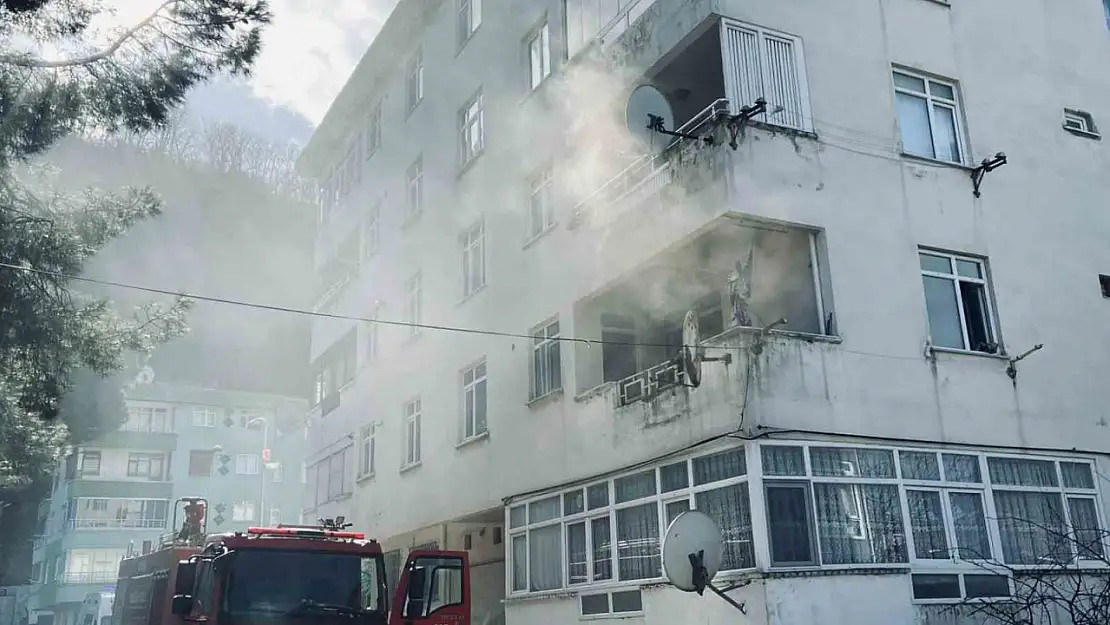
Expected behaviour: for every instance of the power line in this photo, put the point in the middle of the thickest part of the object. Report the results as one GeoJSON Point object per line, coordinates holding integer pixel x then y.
{"type": "Point", "coordinates": [326, 315]}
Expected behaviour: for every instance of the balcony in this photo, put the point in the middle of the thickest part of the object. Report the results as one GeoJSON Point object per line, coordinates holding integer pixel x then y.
{"type": "Point", "coordinates": [116, 524]}
{"type": "Point", "coordinates": [88, 577]}
{"type": "Point", "coordinates": [740, 274]}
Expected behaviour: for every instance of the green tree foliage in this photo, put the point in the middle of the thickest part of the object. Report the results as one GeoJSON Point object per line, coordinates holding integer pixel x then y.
{"type": "Point", "coordinates": [50, 328]}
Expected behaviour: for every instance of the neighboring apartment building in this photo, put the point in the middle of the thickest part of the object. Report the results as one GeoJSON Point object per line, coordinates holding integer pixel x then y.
{"type": "Point", "coordinates": [117, 495]}
{"type": "Point", "coordinates": [874, 435]}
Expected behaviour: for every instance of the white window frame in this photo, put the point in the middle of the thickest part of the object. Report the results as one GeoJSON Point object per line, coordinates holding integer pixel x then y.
{"type": "Point", "coordinates": [367, 450]}
{"type": "Point", "coordinates": [1080, 122]}
{"type": "Point", "coordinates": [470, 18]}
{"type": "Point", "coordinates": [932, 101]}
{"type": "Point", "coordinates": [412, 412]}
{"type": "Point", "coordinates": [414, 81]}
{"type": "Point", "coordinates": [538, 55]}
{"type": "Point", "coordinates": [248, 464]}
{"type": "Point", "coordinates": [373, 132]}
{"type": "Point", "coordinates": [757, 480]}
{"type": "Point", "coordinates": [608, 512]}
{"type": "Point", "coordinates": [474, 376]}
{"type": "Point", "coordinates": [541, 190]}
{"type": "Point", "coordinates": [371, 231]}
{"type": "Point", "coordinates": [414, 303]}
{"type": "Point", "coordinates": [985, 282]}
{"type": "Point", "coordinates": [543, 338]}
{"type": "Point", "coordinates": [243, 511]}
{"type": "Point", "coordinates": [204, 416]}
{"type": "Point", "coordinates": [275, 516]}
{"type": "Point", "coordinates": [740, 94]}
{"type": "Point", "coordinates": [414, 187]}
{"type": "Point", "coordinates": [472, 129]}
{"type": "Point", "coordinates": [371, 343]}
{"type": "Point", "coordinates": [474, 258]}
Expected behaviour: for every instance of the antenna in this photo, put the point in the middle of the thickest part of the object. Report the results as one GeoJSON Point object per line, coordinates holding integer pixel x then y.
{"type": "Point", "coordinates": [692, 551]}
{"type": "Point", "coordinates": [691, 354]}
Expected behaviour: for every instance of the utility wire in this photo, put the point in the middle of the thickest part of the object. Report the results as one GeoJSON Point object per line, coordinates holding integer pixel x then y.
{"type": "Point", "coordinates": [325, 315]}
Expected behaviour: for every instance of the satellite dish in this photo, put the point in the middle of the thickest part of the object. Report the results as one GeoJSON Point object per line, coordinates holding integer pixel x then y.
{"type": "Point", "coordinates": [690, 534]}
{"type": "Point", "coordinates": [646, 101]}
{"type": "Point", "coordinates": [691, 359]}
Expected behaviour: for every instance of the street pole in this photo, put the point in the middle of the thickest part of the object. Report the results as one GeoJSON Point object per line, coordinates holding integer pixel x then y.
{"type": "Point", "coordinates": [262, 466]}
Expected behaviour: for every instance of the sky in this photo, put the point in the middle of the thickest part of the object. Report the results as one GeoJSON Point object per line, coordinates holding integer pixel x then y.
{"type": "Point", "coordinates": [308, 53]}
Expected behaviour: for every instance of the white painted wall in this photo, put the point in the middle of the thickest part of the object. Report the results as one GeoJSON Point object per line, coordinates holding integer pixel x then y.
{"type": "Point", "coordinates": [1039, 221]}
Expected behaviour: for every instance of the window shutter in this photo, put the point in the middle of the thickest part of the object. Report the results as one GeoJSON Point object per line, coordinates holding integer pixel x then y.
{"type": "Point", "coordinates": [781, 84]}
{"type": "Point", "coordinates": [761, 64]}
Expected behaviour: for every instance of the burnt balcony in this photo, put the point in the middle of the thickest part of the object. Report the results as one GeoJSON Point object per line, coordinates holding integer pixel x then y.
{"type": "Point", "coordinates": [739, 274]}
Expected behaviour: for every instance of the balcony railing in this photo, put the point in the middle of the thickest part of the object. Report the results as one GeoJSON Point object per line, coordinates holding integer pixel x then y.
{"type": "Point", "coordinates": [88, 577]}
{"type": "Point", "coordinates": [116, 524]}
{"type": "Point", "coordinates": [644, 178]}
{"type": "Point", "coordinates": [650, 382]}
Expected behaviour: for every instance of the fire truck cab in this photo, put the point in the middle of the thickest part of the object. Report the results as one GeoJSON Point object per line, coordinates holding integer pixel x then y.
{"type": "Point", "coordinates": [289, 575]}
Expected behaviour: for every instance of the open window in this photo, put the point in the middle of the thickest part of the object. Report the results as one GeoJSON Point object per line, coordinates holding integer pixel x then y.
{"type": "Point", "coordinates": [434, 587]}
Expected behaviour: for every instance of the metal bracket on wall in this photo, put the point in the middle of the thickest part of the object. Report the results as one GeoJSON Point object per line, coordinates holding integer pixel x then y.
{"type": "Point", "coordinates": [987, 165]}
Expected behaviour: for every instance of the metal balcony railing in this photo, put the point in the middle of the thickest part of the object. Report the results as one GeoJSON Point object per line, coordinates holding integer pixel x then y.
{"type": "Point", "coordinates": [650, 382]}
{"type": "Point", "coordinates": [645, 177]}
{"type": "Point", "coordinates": [87, 577]}
{"type": "Point", "coordinates": [84, 524]}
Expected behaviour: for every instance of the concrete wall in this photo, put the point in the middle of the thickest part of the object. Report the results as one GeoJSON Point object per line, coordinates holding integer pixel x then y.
{"type": "Point", "coordinates": [1039, 222]}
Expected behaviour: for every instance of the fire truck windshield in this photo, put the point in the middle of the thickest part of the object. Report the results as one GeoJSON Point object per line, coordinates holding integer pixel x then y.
{"type": "Point", "coordinates": [264, 582]}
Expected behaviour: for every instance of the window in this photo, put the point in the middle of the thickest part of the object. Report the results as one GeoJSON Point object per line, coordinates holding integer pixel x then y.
{"type": "Point", "coordinates": [275, 517]}
{"type": "Point", "coordinates": [371, 231]}
{"type": "Point", "coordinates": [539, 56]}
{"type": "Point", "coordinates": [587, 20]}
{"type": "Point", "coordinates": [147, 420]}
{"type": "Point", "coordinates": [414, 84]}
{"type": "Point", "coordinates": [474, 258]}
{"type": "Point", "coordinates": [1104, 285]}
{"type": "Point", "coordinates": [149, 466]}
{"type": "Point", "coordinates": [117, 513]}
{"type": "Point", "coordinates": [760, 63]}
{"type": "Point", "coordinates": [366, 450]}
{"type": "Point", "coordinates": [335, 369]}
{"type": "Point", "coordinates": [541, 209]}
{"type": "Point", "coordinates": [370, 334]}
{"type": "Point", "coordinates": [242, 511]}
{"type": "Point", "coordinates": [1080, 122]}
{"type": "Point", "coordinates": [547, 375]}
{"type": "Point", "coordinates": [474, 400]}
{"type": "Point", "coordinates": [957, 302]}
{"type": "Point", "coordinates": [204, 417]}
{"type": "Point", "coordinates": [470, 18]}
{"type": "Point", "coordinates": [373, 134]}
{"type": "Point", "coordinates": [617, 602]}
{"type": "Point", "coordinates": [330, 477]}
{"type": "Point", "coordinates": [929, 117]}
{"type": "Point", "coordinates": [90, 463]}
{"type": "Point", "coordinates": [471, 129]}
{"type": "Point", "coordinates": [414, 185]}
{"type": "Point", "coordinates": [414, 303]}
{"type": "Point", "coordinates": [612, 530]}
{"type": "Point", "coordinates": [412, 432]}
{"type": "Point", "coordinates": [247, 464]}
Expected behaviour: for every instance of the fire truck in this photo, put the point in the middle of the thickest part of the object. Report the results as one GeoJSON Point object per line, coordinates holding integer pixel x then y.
{"type": "Point", "coordinates": [286, 575]}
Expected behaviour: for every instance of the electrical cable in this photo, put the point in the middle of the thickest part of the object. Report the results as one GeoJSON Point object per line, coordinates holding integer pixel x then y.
{"type": "Point", "coordinates": [326, 315]}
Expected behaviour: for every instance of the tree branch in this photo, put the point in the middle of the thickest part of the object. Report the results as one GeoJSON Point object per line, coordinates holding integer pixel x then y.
{"type": "Point", "coordinates": [30, 61]}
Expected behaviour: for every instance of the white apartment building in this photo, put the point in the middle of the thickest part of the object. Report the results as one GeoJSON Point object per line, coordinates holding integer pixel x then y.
{"type": "Point", "coordinates": [883, 442]}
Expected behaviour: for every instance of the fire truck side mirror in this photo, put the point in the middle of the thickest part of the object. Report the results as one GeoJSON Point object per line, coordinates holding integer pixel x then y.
{"type": "Point", "coordinates": [186, 577]}
{"type": "Point", "coordinates": [181, 605]}
{"type": "Point", "coordinates": [414, 594]}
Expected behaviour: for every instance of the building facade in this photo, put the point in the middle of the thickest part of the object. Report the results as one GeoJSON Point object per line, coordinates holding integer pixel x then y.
{"type": "Point", "coordinates": [899, 405]}
{"type": "Point", "coordinates": [117, 495]}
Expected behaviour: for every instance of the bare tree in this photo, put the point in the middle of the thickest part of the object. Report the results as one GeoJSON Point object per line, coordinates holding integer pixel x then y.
{"type": "Point", "coordinates": [1066, 583]}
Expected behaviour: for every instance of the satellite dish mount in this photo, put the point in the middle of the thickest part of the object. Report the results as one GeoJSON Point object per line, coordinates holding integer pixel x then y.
{"type": "Point", "coordinates": [692, 550]}
{"type": "Point", "coordinates": [692, 354]}
{"type": "Point", "coordinates": [656, 124]}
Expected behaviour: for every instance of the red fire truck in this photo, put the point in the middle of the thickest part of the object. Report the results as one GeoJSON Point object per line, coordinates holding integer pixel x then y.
{"type": "Point", "coordinates": [286, 575]}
